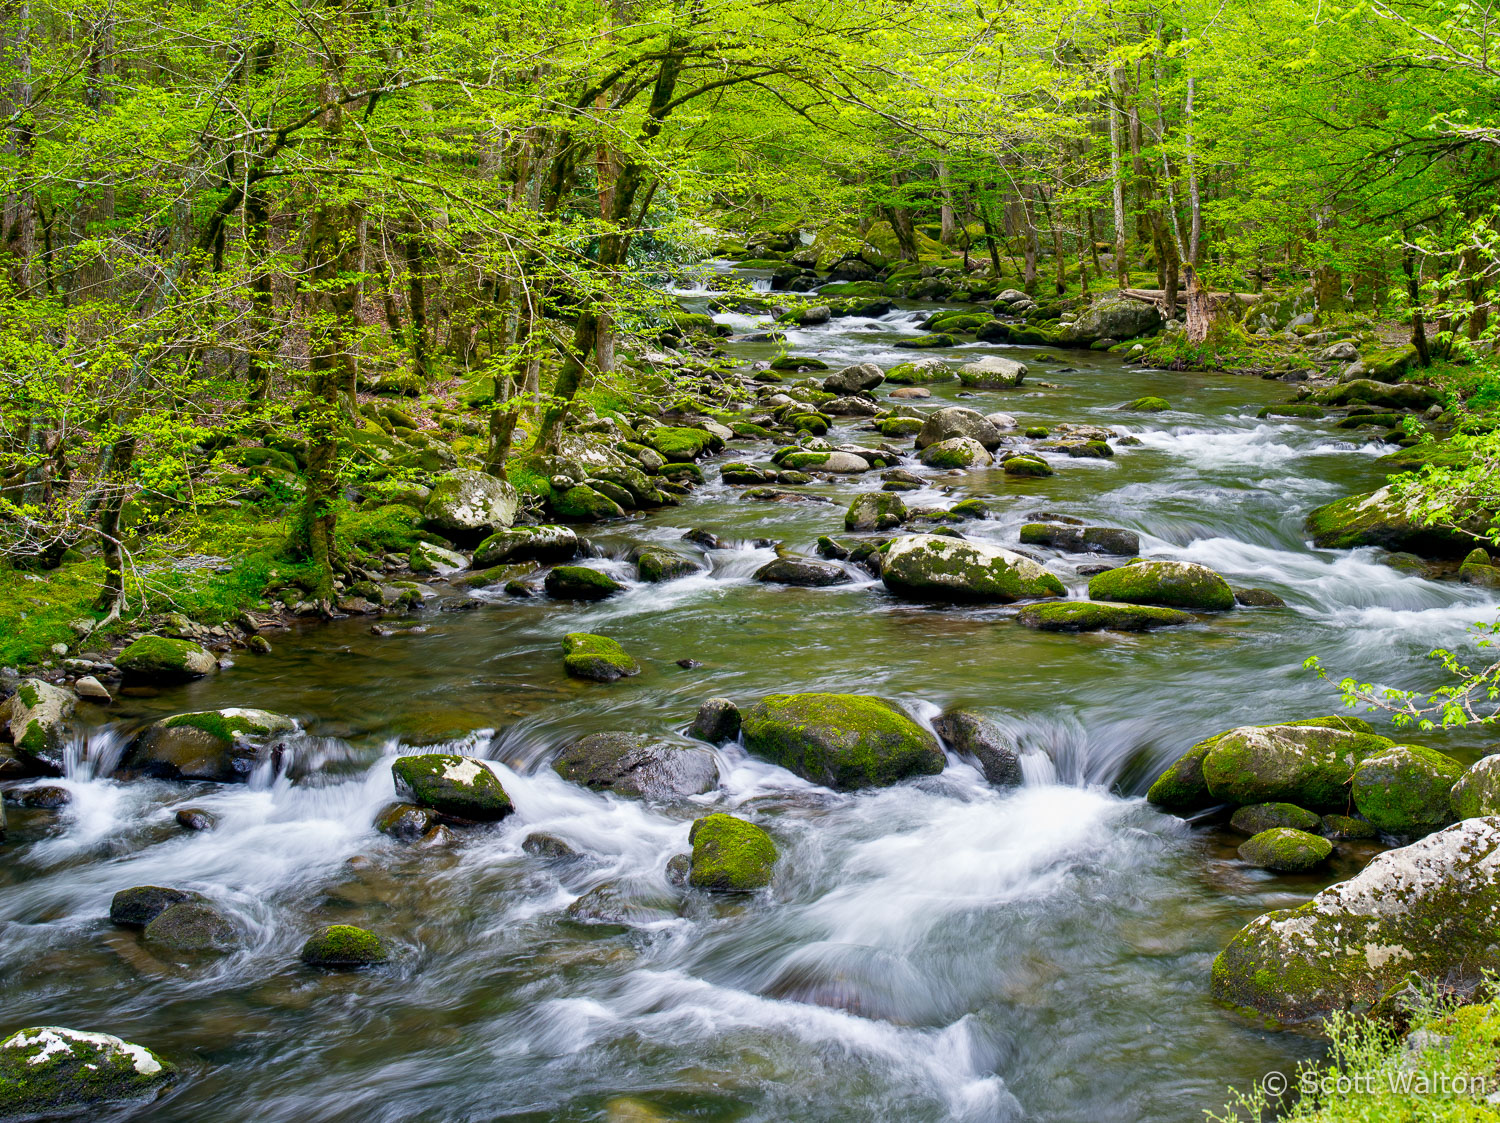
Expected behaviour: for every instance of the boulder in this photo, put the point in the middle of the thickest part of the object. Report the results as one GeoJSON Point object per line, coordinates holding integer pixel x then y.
{"type": "Point", "coordinates": [1286, 850]}
{"type": "Point", "coordinates": [956, 452]}
{"type": "Point", "coordinates": [934, 567]}
{"type": "Point", "coordinates": [919, 373]}
{"type": "Point", "coordinates": [1404, 789]}
{"type": "Point", "coordinates": [1112, 317]}
{"type": "Point", "coordinates": [730, 855]}
{"type": "Point", "coordinates": [638, 764]}
{"type": "Point", "coordinates": [853, 379]}
{"type": "Point", "coordinates": [140, 905]}
{"type": "Point", "coordinates": [1258, 598]}
{"type": "Point", "coordinates": [1171, 583]}
{"type": "Point", "coordinates": [717, 721]}
{"type": "Point", "coordinates": [425, 557]}
{"type": "Point", "coordinates": [1082, 539]}
{"type": "Point", "coordinates": [992, 373]}
{"type": "Point", "coordinates": [406, 821]}
{"type": "Point", "coordinates": [1101, 616]}
{"type": "Point", "coordinates": [682, 444]}
{"type": "Point", "coordinates": [457, 787]}
{"type": "Point", "coordinates": [583, 503]}
{"type": "Point", "coordinates": [1340, 827]}
{"type": "Point", "coordinates": [1399, 395]}
{"type": "Point", "coordinates": [1311, 766]}
{"type": "Point", "coordinates": [1147, 404]}
{"type": "Point", "coordinates": [1257, 817]}
{"type": "Point", "coordinates": [1430, 909]}
{"type": "Point", "coordinates": [224, 746]}
{"type": "Point", "coordinates": [843, 741]}
{"type": "Point", "coordinates": [191, 926]}
{"type": "Point", "coordinates": [466, 506]}
{"type": "Point", "coordinates": [956, 421]}
{"type": "Point", "coordinates": [1381, 518]}
{"type": "Point", "coordinates": [880, 510]}
{"type": "Point", "coordinates": [579, 582]}
{"type": "Point", "coordinates": [161, 659]}
{"type": "Point", "coordinates": [39, 714]}
{"type": "Point", "coordinates": [342, 947]}
{"type": "Point", "coordinates": [49, 1069]}
{"type": "Point", "coordinates": [597, 658]}
{"type": "Point", "coordinates": [973, 735]}
{"type": "Point", "coordinates": [843, 463]}
{"type": "Point", "coordinates": [806, 572]}
{"type": "Point", "coordinates": [655, 564]}
{"type": "Point", "coordinates": [1026, 465]}
{"type": "Point", "coordinates": [1477, 569]}
{"type": "Point", "coordinates": [527, 543]}
{"type": "Point", "coordinates": [1478, 790]}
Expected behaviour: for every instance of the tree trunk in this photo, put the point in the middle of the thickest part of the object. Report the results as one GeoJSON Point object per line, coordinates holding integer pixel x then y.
{"type": "Point", "coordinates": [950, 228]}
{"type": "Point", "coordinates": [112, 591]}
{"type": "Point", "coordinates": [1414, 293]}
{"type": "Point", "coordinates": [416, 303]}
{"type": "Point", "coordinates": [990, 239]}
{"type": "Point", "coordinates": [1116, 170]}
{"type": "Point", "coordinates": [1029, 213]}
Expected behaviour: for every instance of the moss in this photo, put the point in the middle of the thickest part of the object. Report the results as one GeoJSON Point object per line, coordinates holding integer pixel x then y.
{"type": "Point", "coordinates": [27, 692]}
{"type": "Point", "coordinates": [814, 423]}
{"type": "Point", "coordinates": [1286, 850]}
{"type": "Point", "coordinates": [46, 1068]}
{"type": "Point", "coordinates": [1174, 584]}
{"type": "Point", "coordinates": [35, 740]}
{"type": "Point", "coordinates": [844, 741]}
{"type": "Point", "coordinates": [597, 658]}
{"type": "Point", "coordinates": [971, 509]}
{"type": "Point", "coordinates": [925, 342]}
{"type": "Point", "coordinates": [1147, 404]}
{"type": "Point", "coordinates": [1258, 817]}
{"type": "Point", "coordinates": [579, 582]}
{"type": "Point", "coordinates": [656, 564]}
{"type": "Point", "coordinates": [899, 426]}
{"type": "Point", "coordinates": [1033, 466]}
{"type": "Point", "coordinates": [679, 444]}
{"type": "Point", "coordinates": [191, 926]}
{"type": "Point", "coordinates": [1311, 767]}
{"type": "Point", "coordinates": [217, 724]}
{"type": "Point", "coordinates": [875, 511]}
{"type": "Point", "coordinates": [452, 785]}
{"type": "Point", "coordinates": [1093, 616]}
{"type": "Point", "coordinates": [1405, 789]}
{"type": "Point", "coordinates": [804, 459]}
{"type": "Point", "coordinates": [956, 452]}
{"type": "Point", "coordinates": [929, 567]}
{"type": "Point", "coordinates": [797, 362]}
{"type": "Point", "coordinates": [585, 504]}
{"type": "Point", "coordinates": [158, 656]}
{"type": "Point", "coordinates": [343, 946]}
{"type": "Point", "coordinates": [730, 855]}
{"type": "Point", "coordinates": [1294, 409]}
{"type": "Point", "coordinates": [919, 373]}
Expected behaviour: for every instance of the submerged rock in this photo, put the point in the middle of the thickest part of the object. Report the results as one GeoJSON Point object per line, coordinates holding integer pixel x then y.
{"type": "Point", "coordinates": [717, 721]}
{"type": "Point", "coordinates": [805, 572]}
{"type": "Point", "coordinates": [638, 764]}
{"type": "Point", "coordinates": [224, 746]}
{"type": "Point", "coordinates": [1404, 789]}
{"type": "Point", "coordinates": [843, 741]}
{"type": "Point", "coordinates": [343, 946]}
{"type": "Point", "coordinates": [1258, 598]}
{"type": "Point", "coordinates": [161, 659]}
{"type": "Point", "coordinates": [933, 567]}
{"type": "Point", "coordinates": [1171, 583]}
{"type": "Point", "coordinates": [459, 787]}
{"type": "Point", "coordinates": [1429, 909]}
{"type": "Point", "coordinates": [140, 905]}
{"type": "Point", "coordinates": [195, 819]}
{"type": "Point", "coordinates": [730, 855]}
{"type": "Point", "coordinates": [49, 1068]}
{"type": "Point", "coordinates": [1286, 850]}
{"type": "Point", "coordinates": [406, 821]}
{"type": "Point", "coordinates": [39, 714]}
{"type": "Point", "coordinates": [597, 658]}
{"type": "Point", "coordinates": [191, 926]}
{"type": "Point", "coordinates": [976, 736]}
{"type": "Point", "coordinates": [1100, 616]}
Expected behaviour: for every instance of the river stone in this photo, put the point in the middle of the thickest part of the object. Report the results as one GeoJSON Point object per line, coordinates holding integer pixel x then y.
{"type": "Point", "coordinates": [48, 797]}
{"type": "Point", "coordinates": [1404, 789]}
{"type": "Point", "coordinates": [1311, 766]}
{"type": "Point", "coordinates": [1430, 909]}
{"type": "Point", "coordinates": [1347, 826]}
{"type": "Point", "coordinates": [1182, 787]}
{"type": "Point", "coordinates": [140, 905]}
{"type": "Point", "coordinates": [1112, 317]}
{"type": "Point", "coordinates": [806, 572]}
{"type": "Point", "coordinates": [342, 947]}
{"type": "Point", "coordinates": [1400, 395]}
{"type": "Point", "coordinates": [956, 452]}
{"type": "Point", "coordinates": [583, 503]}
{"type": "Point", "coordinates": [191, 926]}
{"type": "Point", "coordinates": [976, 736]}
{"type": "Point", "coordinates": [1257, 817]}
{"type": "Point", "coordinates": [527, 543]}
{"type": "Point", "coordinates": [1026, 465]}
{"type": "Point", "coordinates": [638, 764]}
{"type": "Point", "coordinates": [540, 844]}
{"type": "Point", "coordinates": [992, 373]}
{"type": "Point", "coordinates": [455, 786]}
{"type": "Point", "coordinates": [717, 722]}
{"type": "Point", "coordinates": [44, 1069]}
{"type": "Point", "coordinates": [224, 746]}
{"type": "Point", "coordinates": [1171, 583]}
{"type": "Point", "coordinates": [161, 659]}
{"type": "Point", "coordinates": [853, 379]}
{"type": "Point", "coordinates": [1380, 518]}
{"type": "Point", "coordinates": [843, 741]}
{"type": "Point", "coordinates": [1258, 598]}
{"type": "Point", "coordinates": [1082, 539]}
{"type": "Point", "coordinates": [681, 444]}
{"type": "Point", "coordinates": [933, 567]}
{"type": "Point", "coordinates": [1101, 616]}
{"type": "Point", "coordinates": [1478, 790]}
{"type": "Point", "coordinates": [195, 819]}
{"type": "Point", "coordinates": [956, 421]}
{"type": "Point", "coordinates": [730, 855]}
{"type": "Point", "coordinates": [406, 821]}
{"type": "Point", "coordinates": [919, 372]}
{"type": "Point", "coordinates": [425, 557]}
{"type": "Point", "coordinates": [467, 506]}
{"type": "Point", "coordinates": [1148, 404]}
{"type": "Point", "coordinates": [1286, 850]}
{"type": "Point", "coordinates": [597, 658]}
{"type": "Point", "coordinates": [579, 582]}
{"type": "Point", "coordinates": [655, 564]}
{"type": "Point", "coordinates": [876, 510]}
{"type": "Point", "coordinates": [39, 714]}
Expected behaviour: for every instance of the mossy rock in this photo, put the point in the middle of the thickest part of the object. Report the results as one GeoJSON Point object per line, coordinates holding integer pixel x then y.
{"type": "Point", "coordinates": [655, 564]}
{"type": "Point", "coordinates": [344, 947]}
{"type": "Point", "coordinates": [937, 568]}
{"type": "Point", "coordinates": [970, 509]}
{"type": "Point", "coordinates": [597, 658]}
{"type": "Point", "coordinates": [1477, 791]}
{"type": "Point", "coordinates": [815, 423]}
{"type": "Point", "coordinates": [843, 741]}
{"type": "Point", "coordinates": [925, 342]}
{"type": "Point", "coordinates": [455, 786]}
{"type": "Point", "coordinates": [1170, 583]}
{"type": "Point", "coordinates": [583, 503]}
{"type": "Point", "coordinates": [139, 905]}
{"type": "Point", "coordinates": [1401, 395]}
{"type": "Point", "coordinates": [1257, 817]}
{"type": "Point", "coordinates": [1311, 766]}
{"type": "Point", "coordinates": [1099, 616]}
{"type": "Point", "coordinates": [923, 372]}
{"type": "Point", "coordinates": [1380, 518]}
{"type": "Point", "coordinates": [527, 543]}
{"type": "Point", "coordinates": [875, 511]}
{"type": "Point", "coordinates": [191, 926]}
{"type": "Point", "coordinates": [1026, 466]}
{"type": "Point", "coordinates": [680, 444]}
{"type": "Point", "coordinates": [899, 426]}
{"type": "Point", "coordinates": [730, 855]}
{"type": "Point", "coordinates": [1294, 409]}
{"type": "Point", "coordinates": [38, 718]}
{"type": "Point", "coordinates": [162, 659]}
{"type": "Point", "coordinates": [1347, 827]}
{"type": "Point", "coordinates": [640, 765]}
{"type": "Point", "coordinates": [406, 821]}
{"type": "Point", "coordinates": [1147, 404]}
{"type": "Point", "coordinates": [865, 289]}
{"type": "Point", "coordinates": [222, 746]}
{"type": "Point", "coordinates": [46, 1069]}
{"type": "Point", "coordinates": [955, 452]}
{"type": "Point", "coordinates": [579, 582]}
{"type": "Point", "coordinates": [1404, 789]}
{"type": "Point", "coordinates": [1286, 850]}
{"type": "Point", "coordinates": [797, 363]}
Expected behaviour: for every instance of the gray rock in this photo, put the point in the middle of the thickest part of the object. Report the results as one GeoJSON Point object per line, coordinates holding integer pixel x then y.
{"type": "Point", "coordinates": [139, 906]}
{"type": "Point", "coordinates": [527, 543]}
{"type": "Point", "coordinates": [717, 722]}
{"type": "Point", "coordinates": [224, 746]}
{"type": "Point", "coordinates": [933, 567]}
{"type": "Point", "coordinates": [993, 373]}
{"type": "Point", "coordinates": [467, 506]}
{"type": "Point", "coordinates": [638, 764]}
{"type": "Point", "coordinates": [853, 379]}
{"type": "Point", "coordinates": [956, 421]}
{"type": "Point", "coordinates": [805, 572]}
{"type": "Point", "coordinates": [875, 511]}
{"type": "Point", "coordinates": [973, 735]}
{"type": "Point", "coordinates": [1112, 317]}
{"type": "Point", "coordinates": [191, 926]}
{"type": "Point", "coordinates": [39, 715]}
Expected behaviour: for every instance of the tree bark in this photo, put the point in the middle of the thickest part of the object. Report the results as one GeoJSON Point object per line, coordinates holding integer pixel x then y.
{"type": "Point", "coordinates": [1116, 170]}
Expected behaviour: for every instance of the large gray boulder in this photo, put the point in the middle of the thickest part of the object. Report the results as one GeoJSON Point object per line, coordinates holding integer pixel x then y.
{"type": "Point", "coordinates": [39, 714]}
{"type": "Point", "coordinates": [467, 506]}
{"type": "Point", "coordinates": [1477, 791]}
{"type": "Point", "coordinates": [992, 373]}
{"type": "Point", "coordinates": [853, 379]}
{"type": "Point", "coordinates": [527, 543]}
{"type": "Point", "coordinates": [934, 567]}
{"type": "Point", "coordinates": [224, 746]}
{"type": "Point", "coordinates": [639, 764]}
{"type": "Point", "coordinates": [164, 659]}
{"type": "Point", "coordinates": [1112, 317]}
{"type": "Point", "coordinates": [1431, 909]}
{"type": "Point", "coordinates": [956, 421]}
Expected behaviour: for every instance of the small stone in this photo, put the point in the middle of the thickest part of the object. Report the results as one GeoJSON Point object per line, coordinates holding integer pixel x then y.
{"type": "Point", "coordinates": [45, 798]}
{"type": "Point", "coordinates": [718, 721]}
{"type": "Point", "coordinates": [1286, 850]}
{"type": "Point", "coordinates": [343, 946]}
{"type": "Point", "coordinates": [730, 855]}
{"type": "Point", "coordinates": [577, 582]}
{"type": "Point", "coordinates": [1258, 817]}
{"type": "Point", "coordinates": [90, 687]}
{"type": "Point", "coordinates": [406, 821]}
{"type": "Point", "coordinates": [195, 819]}
{"type": "Point", "coordinates": [1258, 598]}
{"type": "Point", "coordinates": [539, 844]}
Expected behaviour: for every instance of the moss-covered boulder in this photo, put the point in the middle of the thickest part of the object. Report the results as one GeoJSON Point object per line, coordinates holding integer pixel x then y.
{"type": "Point", "coordinates": [1478, 568]}
{"type": "Point", "coordinates": [880, 510]}
{"type": "Point", "coordinates": [956, 452]}
{"type": "Point", "coordinates": [937, 568]}
{"type": "Point", "coordinates": [162, 659]}
{"type": "Point", "coordinates": [1477, 791]}
{"type": "Point", "coordinates": [46, 1069]}
{"type": "Point", "coordinates": [1430, 909]}
{"type": "Point", "coordinates": [922, 372]}
{"type": "Point", "coordinates": [1171, 583]}
{"type": "Point", "coordinates": [1148, 404]}
{"type": "Point", "coordinates": [1082, 539]}
{"type": "Point", "coordinates": [1404, 789]}
{"type": "Point", "coordinates": [466, 506]}
{"type": "Point", "coordinates": [843, 741]}
{"type": "Point", "coordinates": [640, 765]}
{"type": "Point", "coordinates": [1101, 616]}
{"type": "Point", "coordinates": [1026, 466]}
{"type": "Point", "coordinates": [139, 905]}
{"type": "Point", "coordinates": [224, 746]}
{"type": "Point", "coordinates": [527, 543]}
{"type": "Point", "coordinates": [1182, 786]}
{"type": "Point", "coordinates": [1381, 518]}
{"type": "Point", "coordinates": [597, 658]}
{"type": "Point", "coordinates": [458, 787]}
{"type": "Point", "coordinates": [1286, 850]}
{"type": "Point", "coordinates": [925, 342]}
{"type": "Point", "coordinates": [958, 421]}
{"type": "Point", "coordinates": [38, 725]}
{"type": "Point", "coordinates": [191, 926]}
{"type": "Point", "coordinates": [992, 373]}
{"type": "Point", "coordinates": [1366, 391]}
{"type": "Point", "coordinates": [344, 947]}
{"type": "Point", "coordinates": [579, 582]}
{"type": "Point", "coordinates": [1254, 818]}
{"type": "Point", "coordinates": [1311, 766]}
{"type": "Point", "coordinates": [730, 855]}
{"type": "Point", "coordinates": [655, 564]}
{"type": "Point", "coordinates": [899, 426]}
{"type": "Point", "coordinates": [583, 503]}
{"type": "Point", "coordinates": [681, 444]}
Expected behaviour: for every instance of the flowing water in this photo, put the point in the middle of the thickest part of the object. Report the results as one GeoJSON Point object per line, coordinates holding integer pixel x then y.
{"type": "Point", "coordinates": [938, 950]}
